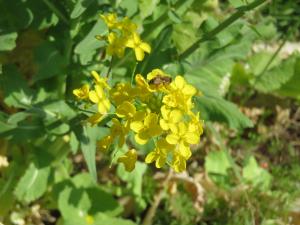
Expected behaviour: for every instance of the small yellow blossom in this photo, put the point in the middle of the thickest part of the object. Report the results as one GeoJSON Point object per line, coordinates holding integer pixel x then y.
{"type": "Point", "coordinates": [3, 162]}
{"type": "Point", "coordinates": [98, 96]}
{"type": "Point", "coordinates": [89, 220]}
{"type": "Point", "coordinates": [183, 137]}
{"type": "Point", "coordinates": [126, 110]}
{"type": "Point", "coordinates": [122, 92]}
{"type": "Point", "coordinates": [169, 118]}
{"type": "Point", "coordinates": [104, 143]}
{"type": "Point", "coordinates": [180, 94]}
{"type": "Point", "coordinates": [146, 129]}
{"type": "Point", "coordinates": [129, 160]}
{"type": "Point", "coordinates": [111, 20]}
{"type": "Point", "coordinates": [100, 80]}
{"type": "Point", "coordinates": [127, 26]}
{"type": "Point", "coordinates": [83, 92]}
{"type": "Point", "coordinates": [178, 162]}
{"type": "Point", "coordinates": [159, 154]}
{"type": "Point", "coordinates": [139, 46]}
{"type": "Point", "coordinates": [116, 45]}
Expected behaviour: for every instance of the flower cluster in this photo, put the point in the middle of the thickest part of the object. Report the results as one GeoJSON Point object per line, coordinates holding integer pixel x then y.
{"type": "Point", "coordinates": [122, 34]}
{"type": "Point", "coordinates": [155, 109]}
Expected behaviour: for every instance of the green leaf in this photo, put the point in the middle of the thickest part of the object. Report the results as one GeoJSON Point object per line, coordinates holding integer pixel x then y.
{"type": "Point", "coordinates": [258, 62]}
{"type": "Point", "coordinates": [291, 88]}
{"type": "Point", "coordinates": [134, 179]}
{"type": "Point", "coordinates": [183, 35]}
{"type": "Point", "coordinates": [274, 78]}
{"type": "Point", "coordinates": [256, 175]}
{"type": "Point", "coordinates": [87, 48]}
{"type": "Point", "coordinates": [80, 7]}
{"type": "Point", "coordinates": [147, 7]}
{"type": "Point", "coordinates": [49, 61]}
{"type": "Point", "coordinates": [81, 196]}
{"type": "Point", "coordinates": [8, 41]}
{"type": "Point", "coordinates": [33, 184]}
{"type": "Point", "coordinates": [214, 108]}
{"type": "Point", "coordinates": [16, 94]}
{"type": "Point", "coordinates": [217, 162]}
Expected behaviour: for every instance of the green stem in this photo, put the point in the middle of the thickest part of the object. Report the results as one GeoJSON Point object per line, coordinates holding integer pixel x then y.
{"type": "Point", "coordinates": [208, 36]}
{"type": "Point", "coordinates": [56, 11]}
{"type": "Point", "coordinates": [133, 73]}
{"type": "Point", "coordinates": [110, 67]}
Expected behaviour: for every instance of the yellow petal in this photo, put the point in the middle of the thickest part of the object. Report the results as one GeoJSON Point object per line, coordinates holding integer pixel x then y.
{"type": "Point", "coordinates": [96, 118]}
{"type": "Point", "coordinates": [189, 90]}
{"type": "Point", "coordinates": [160, 162]}
{"type": "Point", "coordinates": [96, 76]}
{"type": "Point", "coordinates": [191, 138]}
{"type": "Point", "coordinates": [136, 126]}
{"type": "Point", "coordinates": [93, 97]}
{"type": "Point", "coordinates": [180, 82]}
{"type": "Point", "coordinates": [172, 139]}
{"type": "Point", "coordinates": [164, 124]}
{"type": "Point", "coordinates": [175, 116]}
{"type": "Point", "coordinates": [165, 112]}
{"type": "Point", "coordinates": [151, 157]}
{"type": "Point", "coordinates": [130, 43]}
{"type": "Point", "coordinates": [146, 47]}
{"type": "Point", "coordinates": [139, 53]}
{"type": "Point", "coordinates": [140, 139]}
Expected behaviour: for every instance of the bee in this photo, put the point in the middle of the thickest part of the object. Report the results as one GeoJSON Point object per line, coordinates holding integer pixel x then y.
{"type": "Point", "coordinates": [159, 79]}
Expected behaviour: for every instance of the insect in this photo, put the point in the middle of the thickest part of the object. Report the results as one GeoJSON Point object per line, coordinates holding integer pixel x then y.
{"type": "Point", "coordinates": [159, 79]}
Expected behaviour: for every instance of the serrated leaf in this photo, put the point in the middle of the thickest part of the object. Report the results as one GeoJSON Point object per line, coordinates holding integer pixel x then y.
{"type": "Point", "coordinates": [33, 184]}
{"type": "Point", "coordinates": [147, 7]}
{"type": "Point", "coordinates": [274, 78]}
{"type": "Point", "coordinates": [183, 35]}
{"type": "Point", "coordinates": [214, 108]}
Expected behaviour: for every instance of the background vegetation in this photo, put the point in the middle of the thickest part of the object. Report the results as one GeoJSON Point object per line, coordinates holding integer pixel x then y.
{"type": "Point", "coordinates": [245, 60]}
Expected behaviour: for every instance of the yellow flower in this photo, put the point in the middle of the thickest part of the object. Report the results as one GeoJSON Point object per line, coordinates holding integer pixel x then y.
{"type": "Point", "coordinates": [145, 129]}
{"type": "Point", "coordinates": [116, 45]}
{"type": "Point", "coordinates": [127, 26]}
{"type": "Point", "coordinates": [95, 119]}
{"type": "Point", "coordinates": [104, 143]}
{"type": "Point", "coordinates": [139, 46]}
{"type": "Point", "coordinates": [178, 163]}
{"type": "Point", "coordinates": [129, 160]}
{"type": "Point", "coordinates": [89, 219]}
{"type": "Point", "coordinates": [111, 20]}
{"type": "Point", "coordinates": [122, 92]}
{"type": "Point", "coordinates": [83, 92]}
{"type": "Point", "coordinates": [180, 94]}
{"type": "Point", "coordinates": [126, 110]}
{"type": "Point", "coordinates": [98, 96]}
{"type": "Point", "coordinates": [100, 80]}
{"type": "Point", "coordinates": [159, 154]}
{"type": "Point", "coordinates": [195, 125]}
{"type": "Point", "coordinates": [183, 137]}
{"type": "Point", "coordinates": [169, 118]}
{"type": "Point", "coordinates": [119, 131]}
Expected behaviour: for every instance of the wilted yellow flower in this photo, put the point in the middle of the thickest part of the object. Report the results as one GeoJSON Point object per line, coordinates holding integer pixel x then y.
{"type": "Point", "coordinates": [138, 46]}
{"type": "Point", "coordinates": [104, 143]}
{"type": "Point", "coordinates": [170, 118]}
{"type": "Point", "coordinates": [98, 96]}
{"type": "Point", "coordinates": [116, 45]}
{"type": "Point", "coordinates": [129, 160]}
{"type": "Point", "coordinates": [159, 154]}
{"type": "Point", "coordinates": [95, 119]}
{"type": "Point", "coordinates": [83, 92]}
{"type": "Point", "coordinates": [146, 129]}
{"type": "Point", "coordinates": [119, 131]}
